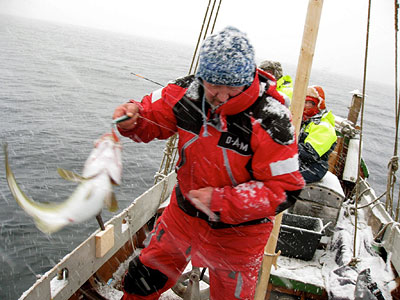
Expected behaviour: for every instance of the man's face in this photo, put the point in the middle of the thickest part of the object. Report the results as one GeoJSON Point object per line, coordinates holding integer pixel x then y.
{"type": "Point", "coordinates": [218, 94]}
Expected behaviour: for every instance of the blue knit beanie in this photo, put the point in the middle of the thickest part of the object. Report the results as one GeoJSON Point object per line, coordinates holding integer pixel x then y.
{"type": "Point", "coordinates": [227, 58]}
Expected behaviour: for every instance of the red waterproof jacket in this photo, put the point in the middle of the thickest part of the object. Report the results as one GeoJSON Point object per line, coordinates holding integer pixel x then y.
{"type": "Point", "coordinates": [245, 148]}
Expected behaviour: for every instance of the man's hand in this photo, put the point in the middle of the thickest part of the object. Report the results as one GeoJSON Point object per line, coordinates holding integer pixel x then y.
{"type": "Point", "coordinates": [129, 109]}
{"type": "Point", "coordinates": [201, 199]}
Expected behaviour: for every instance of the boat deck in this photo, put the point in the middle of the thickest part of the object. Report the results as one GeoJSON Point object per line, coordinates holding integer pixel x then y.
{"type": "Point", "coordinates": [331, 272]}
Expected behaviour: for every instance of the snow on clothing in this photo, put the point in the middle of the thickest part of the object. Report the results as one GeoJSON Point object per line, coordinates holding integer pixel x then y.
{"type": "Point", "coordinates": [227, 58]}
{"type": "Point", "coordinates": [244, 148]}
{"type": "Point", "coordinates": [317, 140]}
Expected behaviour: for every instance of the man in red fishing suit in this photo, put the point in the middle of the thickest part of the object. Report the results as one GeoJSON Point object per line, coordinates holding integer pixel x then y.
{"type": "Point", "coordinates": [237, 167]}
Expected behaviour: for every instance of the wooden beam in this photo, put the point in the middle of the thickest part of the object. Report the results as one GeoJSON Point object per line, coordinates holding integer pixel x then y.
{"type": "Point", "coordinates": [297, 105]}
{"type": "Point", "coordinates": [104, 240]}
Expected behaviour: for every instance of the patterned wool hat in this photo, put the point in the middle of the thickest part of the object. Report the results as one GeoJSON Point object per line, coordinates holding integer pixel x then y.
{"type": "Point", "coordinates": [316, 94]}
{"type": "Point", "coordinates": [227, 58]}
{"type": "Point", "coordinates": [272, 67]}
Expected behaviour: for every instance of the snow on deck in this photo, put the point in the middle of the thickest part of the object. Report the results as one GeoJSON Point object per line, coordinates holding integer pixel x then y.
{"type": "Point", "coordinates": [301, 270]}
{"type": "Point", "coordinates": [330, 269]}
{"type": "Point", "coordinates": [111, 292]}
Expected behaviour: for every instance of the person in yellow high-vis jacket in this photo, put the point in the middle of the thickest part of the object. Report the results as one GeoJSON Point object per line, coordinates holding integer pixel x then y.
{"type": "Point", "coordinates": [284, 83]}
{"type": "Point", "coordinates": [317, 137]}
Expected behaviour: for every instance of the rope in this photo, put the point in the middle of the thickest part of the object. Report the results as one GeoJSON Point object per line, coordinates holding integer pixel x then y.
{"type": "Point", "coordinates": [389, 241]}
{"type": "Point", "coordinates": [198, 40]}
{"type": "Point", "coordinates": [393, 163]}
{"type": "Point", "coordinates": [191, 69]}
{"type": "Point", "coordinates": [170, 152]}
{"type": "Point", "coordinates": [216, 16]}
{"type": "Point", "coordinates": [168, 159]}
{"type": "Point", "coordinates": [129, 219]}
{"type": "Point", "coordinates": [361, 127]}
{"type": "Point", "coordinates": [396, 218]}
{"type": "Point", "coordinates": [382, 231]}
{"type": "Point", "coordinates": [391, 179]}
{"type": "Point", "coordinates": [371, 203]}
{"type": "Point", "coordinates": [396, 29]}
{"type": "Point", "coordinates": [208, 25]}
{"type": "Point", "coordinates": [397, 104]}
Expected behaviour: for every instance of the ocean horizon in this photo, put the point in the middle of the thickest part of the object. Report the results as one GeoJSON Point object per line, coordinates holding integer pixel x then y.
{"type": "Point", "coordinates": [59, 87]}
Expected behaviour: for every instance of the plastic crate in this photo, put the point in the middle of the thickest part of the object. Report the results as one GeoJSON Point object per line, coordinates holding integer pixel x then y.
{"type": "Point", "coordinates": [299, 236]}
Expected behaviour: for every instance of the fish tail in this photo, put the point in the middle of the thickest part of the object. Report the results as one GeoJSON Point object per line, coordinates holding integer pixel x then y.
{"type": "Point", "coordinates": [19, 196]}
{"type": "Point", "coordinates": [46, 227]}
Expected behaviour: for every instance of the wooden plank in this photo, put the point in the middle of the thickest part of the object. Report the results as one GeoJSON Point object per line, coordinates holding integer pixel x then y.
{"type": "Point", "coordinates": [336, 161]}
{"type": "Point", "coordinates": [282, 291]}
{"type": "Point", "coordinates": [296, 108]}
{"type": "Point", "coordinates": [104, 240]}
{"type": "Point", "coordinates": [105, 273]}
{"type": "Point", "coordinates": [355, 108]}
{"type": "Point", "coordinates": [295, 285]}
{"type": "Point", "coordinates": [391, 243]}
{"type": "Point", "coordinates": [378, 217]}
{"type": "Point", "coordinates": [40, 290]}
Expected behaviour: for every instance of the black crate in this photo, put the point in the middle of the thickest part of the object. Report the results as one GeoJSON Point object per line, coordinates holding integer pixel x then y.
{"type": "Point", "coordinates": [299, 236]}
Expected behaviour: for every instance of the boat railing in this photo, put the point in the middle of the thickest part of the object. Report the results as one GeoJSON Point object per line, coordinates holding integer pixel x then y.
{"type": "Point", "coordinates": [65, 278]}
{"type": "Point", "coordinates": [380, 220]}
{"type": "Point", "coordinates": [381, 217]}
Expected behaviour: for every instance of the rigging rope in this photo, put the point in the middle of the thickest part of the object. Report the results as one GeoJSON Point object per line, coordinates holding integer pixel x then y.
{"type": "Point", "coordinates": [397, 104]}
{"type": "Point", "coordinates": [361, 132]}
{"type": "Point", "coordinates": [198, 40]}
{"type": "Point", "coordinates": [394, 164]}
{"type": "Point", "coordinates": [208, 25]}
{"type": "Point", "coordinates": [170, 152]}
{"type": "Point", "coordinates": [396, 29]}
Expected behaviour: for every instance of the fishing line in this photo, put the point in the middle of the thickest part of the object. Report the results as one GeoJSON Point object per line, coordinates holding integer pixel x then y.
{"type": "Point", "coordinates": [148, 79]}
{"type": "Point", "coordinates": [170, 152]}
{"type": "Point", "coordinates": [125, 117]}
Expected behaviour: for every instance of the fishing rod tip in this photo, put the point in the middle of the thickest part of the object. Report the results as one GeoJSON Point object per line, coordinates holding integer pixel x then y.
{"type": "Point", "coordinates": [120, 119]}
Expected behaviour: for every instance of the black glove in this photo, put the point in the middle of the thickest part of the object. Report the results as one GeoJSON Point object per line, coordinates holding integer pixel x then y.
{"type": "Point", "coordinates": [291, 197]}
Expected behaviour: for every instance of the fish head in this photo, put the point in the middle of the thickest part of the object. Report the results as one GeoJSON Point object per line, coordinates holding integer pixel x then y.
{"type": "Point", "coordinates": [105, 157]}
{"type": "Point", "coordinates": [107, 136]}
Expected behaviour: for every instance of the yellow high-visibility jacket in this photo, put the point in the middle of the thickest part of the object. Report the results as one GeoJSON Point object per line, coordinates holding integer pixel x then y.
{"type": "Point", "coordinates": [285, 85]}
{"type": "Point", "coordinates": [317, 140]}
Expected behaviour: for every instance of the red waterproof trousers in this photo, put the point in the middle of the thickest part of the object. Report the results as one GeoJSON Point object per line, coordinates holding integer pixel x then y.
{"type": "Point", "coordinates": [233, 255]}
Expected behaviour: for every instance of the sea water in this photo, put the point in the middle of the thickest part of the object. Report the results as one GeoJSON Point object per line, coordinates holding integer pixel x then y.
{"type": "Point", "coordinates": [59, 86]}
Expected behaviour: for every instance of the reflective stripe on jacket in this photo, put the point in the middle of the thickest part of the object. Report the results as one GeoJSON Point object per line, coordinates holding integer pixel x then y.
{"type": "Point", "coordinates": [244, 148]}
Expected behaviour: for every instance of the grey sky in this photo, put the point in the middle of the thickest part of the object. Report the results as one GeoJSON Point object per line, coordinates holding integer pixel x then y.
{"type": "Point", "coordinates": [274, 27]}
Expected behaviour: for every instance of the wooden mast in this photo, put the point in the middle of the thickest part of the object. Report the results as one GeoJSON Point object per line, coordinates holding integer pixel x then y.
{"type": "Point", "coordinates": [297, 105]}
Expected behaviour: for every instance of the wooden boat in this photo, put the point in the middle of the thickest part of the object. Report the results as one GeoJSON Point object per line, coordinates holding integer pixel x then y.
{"type": "Point", "coordinates": [327, 263]}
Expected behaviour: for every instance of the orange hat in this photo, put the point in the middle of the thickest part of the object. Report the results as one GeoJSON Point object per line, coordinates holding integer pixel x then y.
{"type": "Point", "coordinates": [316, 94]}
